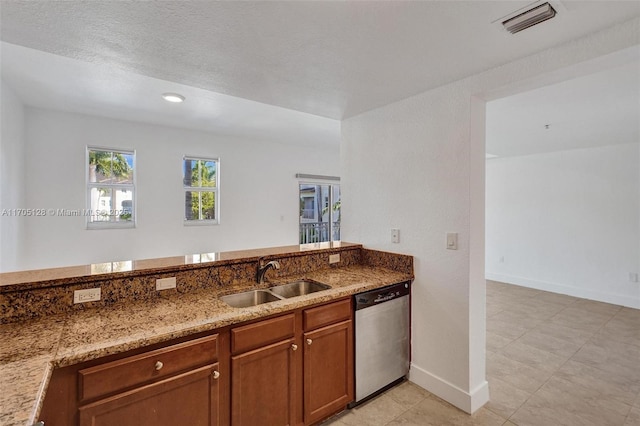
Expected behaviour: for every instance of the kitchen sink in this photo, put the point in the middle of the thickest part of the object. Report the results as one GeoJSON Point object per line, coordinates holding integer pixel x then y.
{"type": "Point", "coordinates": [249, 298]}
{"type": "Point", "coordinates": [298, 288]}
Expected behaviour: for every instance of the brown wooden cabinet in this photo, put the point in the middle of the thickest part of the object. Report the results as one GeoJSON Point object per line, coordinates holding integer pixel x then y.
{"type": "Point", "coordinates": [164, 387]}
{"type": "Point", "coordinates": [261, 391]}
{"type": "Point", "coordinates": [328, 371]}
{"type": "Point", "coordinates": [328, 360]}
{"type": "Point", "coordinates": [282, 376]}
{"type": "Point", "coordinates": [180, 383]}
{"type": "Point", "coordinates": [292, 369]}
{"type": "Point", "coordinates": [190, 399]}
{"type": "Point", "coordinates": [263, 369]}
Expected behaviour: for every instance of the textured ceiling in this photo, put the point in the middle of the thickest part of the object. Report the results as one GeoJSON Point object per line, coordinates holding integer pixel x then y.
{"type": "Point", "coordinates": [597, 109]}
{"type": "Point", "coordinates": [332, 59]}
{"type": "Point", "coordinates": [49, 81]}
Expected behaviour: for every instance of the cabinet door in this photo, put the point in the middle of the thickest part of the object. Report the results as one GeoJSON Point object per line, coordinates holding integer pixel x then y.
{"type": "Point", "coordinates": [187, 399]}
{"type": "Point", "coordinates": [328, 371]}
{"type": "Point", "coordinates": [263, 386]}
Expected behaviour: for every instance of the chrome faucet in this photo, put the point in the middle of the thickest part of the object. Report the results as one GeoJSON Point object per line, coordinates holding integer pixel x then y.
{"type": "Point", "coordinates": [262, 269]}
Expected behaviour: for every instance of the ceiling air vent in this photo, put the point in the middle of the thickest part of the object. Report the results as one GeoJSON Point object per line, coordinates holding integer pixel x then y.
{"type": "Point", "coordinates": [529, 18]}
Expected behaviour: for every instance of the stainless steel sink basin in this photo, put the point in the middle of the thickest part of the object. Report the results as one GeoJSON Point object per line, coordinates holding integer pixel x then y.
{"type": "Point", "coordinates": [298, 288]}
{"type": "Point", "coordinates": [249, 298]}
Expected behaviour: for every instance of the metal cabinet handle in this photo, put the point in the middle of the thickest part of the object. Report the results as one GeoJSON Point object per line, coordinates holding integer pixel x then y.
{"type": "Point", "coordinates": [159, 365]}
{"type": "Point", "coordinates": [216, 374]}
{"type": "Point", "coordinates": [294, 347]}
{"type": "Point", "coordinates": [309, 342]}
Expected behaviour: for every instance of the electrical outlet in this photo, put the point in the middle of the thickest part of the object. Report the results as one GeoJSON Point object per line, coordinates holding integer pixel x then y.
{"type": "Point", "coordinates": [334, 258]}
{"type": "Point", "coordinates": [86, 295]}
{"type": "Point", "coordinates": [165, 283]}
{"type": "Point", "coordinates": [633, 277]}
{"type": "Point", "coordinates": [395, 235]}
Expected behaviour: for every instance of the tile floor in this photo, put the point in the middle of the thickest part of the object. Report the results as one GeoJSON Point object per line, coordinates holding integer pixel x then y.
{"type": "Point", "coordinates": [552, 360]}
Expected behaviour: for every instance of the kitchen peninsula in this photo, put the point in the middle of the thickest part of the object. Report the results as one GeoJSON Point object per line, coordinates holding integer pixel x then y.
{"type": "Point", "coordinates": [42, 329]}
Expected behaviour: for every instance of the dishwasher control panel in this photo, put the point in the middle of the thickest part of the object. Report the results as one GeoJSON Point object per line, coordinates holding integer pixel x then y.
{"type": "Point", "coordinates": [381, 295]}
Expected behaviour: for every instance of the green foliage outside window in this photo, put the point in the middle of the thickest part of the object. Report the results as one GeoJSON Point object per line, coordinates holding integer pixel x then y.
{"type": "Point", "coordinates": [111, 185]}
{"type": "Point", "coordinates": [113, 166]}
{"type": "Point", "coordinates": [200, 183]}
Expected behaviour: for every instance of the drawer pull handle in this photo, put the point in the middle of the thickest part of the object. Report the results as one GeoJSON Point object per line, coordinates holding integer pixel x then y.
{"type": "Point", "coordinates": [216, 374]}
{"type": "Point", "coordinates": [159, 365]}
{"type": "Point", "coordinates": [294, 347]}
{"type": "Point", "coordinates": [309, 342]}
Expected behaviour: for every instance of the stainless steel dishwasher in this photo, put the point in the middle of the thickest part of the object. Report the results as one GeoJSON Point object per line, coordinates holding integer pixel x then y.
{"type": "Point", "coordinates": [382, 339]}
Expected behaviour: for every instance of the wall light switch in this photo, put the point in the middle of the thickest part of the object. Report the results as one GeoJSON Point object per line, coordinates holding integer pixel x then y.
{"type": "Point", "coordinates": [334, 258]}
{"type": "Point", "coordinates": [86, 295]}
{"type": "Point", "coordinates": [395, 235]}
{"type": "Point", "coordinates": [165, 283]}
{"type": "Point", "coordinates": [633, 277]}
{"type": "Point", "coordinates": [452, 241]}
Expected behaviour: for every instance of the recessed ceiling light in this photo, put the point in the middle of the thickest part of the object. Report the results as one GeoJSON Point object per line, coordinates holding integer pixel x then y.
{"type": "Point", "coordinates": [173, 97]}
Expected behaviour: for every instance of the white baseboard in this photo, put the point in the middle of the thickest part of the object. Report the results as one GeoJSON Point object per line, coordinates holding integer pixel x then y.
{"type": "Point", "coordinates": [469, 402]}
{"type": "Point", "coordinates": [600, 296]}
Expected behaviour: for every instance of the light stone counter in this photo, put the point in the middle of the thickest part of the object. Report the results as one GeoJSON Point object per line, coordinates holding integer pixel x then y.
{"type": "Point", "coordinates": [30, 350]}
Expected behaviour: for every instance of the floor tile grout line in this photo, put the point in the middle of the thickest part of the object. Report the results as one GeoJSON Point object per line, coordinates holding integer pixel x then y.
{"type": "Point", "coordinates": [405, 411]}
{"type": "Point", "coordinates": [590, 340]}
{"type": "Point", "coordinates": [554, 371]}
{"type": "Point", "coordinates": [514, 411]}
{"type": "Point", "coordinates": [570, 357]}
{"type": "Point", "coordinates": [534, 392]}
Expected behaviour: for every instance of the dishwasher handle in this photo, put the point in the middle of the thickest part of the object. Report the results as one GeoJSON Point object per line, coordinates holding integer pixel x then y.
{"type": "Point", "coordinates": [381, 295]}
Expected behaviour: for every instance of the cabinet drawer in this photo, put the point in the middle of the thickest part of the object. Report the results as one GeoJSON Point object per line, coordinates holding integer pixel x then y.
{"type": "Point", "coordinates": [138, 369]}
{"type": "Point", "coordinates": [327, 314]}
{"type": "Point", "coordinates": [189, 398]}
{"type": "Point", "coordinates": [262, 333]}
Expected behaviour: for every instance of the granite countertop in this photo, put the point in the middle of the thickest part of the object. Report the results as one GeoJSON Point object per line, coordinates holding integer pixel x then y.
{"type": "Point", "coordinates": [31, 350]}
{"type": "Point", "coordinates": [11, 281]}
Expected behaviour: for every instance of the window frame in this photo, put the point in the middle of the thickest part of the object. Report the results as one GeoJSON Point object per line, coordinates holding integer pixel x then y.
{"type": "Point", "coordinates": [213, 189]}
{"type": "Point", "coordinates": [92, 225]}
{"type": "Point", "coordinates": [315, 180]}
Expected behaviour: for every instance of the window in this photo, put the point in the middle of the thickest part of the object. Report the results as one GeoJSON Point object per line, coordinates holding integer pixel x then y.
{"type": "Point", "coordinates": [319, 211]}
{"type": "Point", "coordinates": [110, 188]}
{"type": "Point", "coordinates": [201, 181]}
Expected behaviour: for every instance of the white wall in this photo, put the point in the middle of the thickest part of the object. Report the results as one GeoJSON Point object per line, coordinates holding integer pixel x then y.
{"type": "Point", "coordinates": [418, 165]}
{"type": "Point", "coordinates": [12, 177]}
{"type": "Point", "coordinates": [258, 190]}
{"type": "Point", "coordinates": [566, 222]}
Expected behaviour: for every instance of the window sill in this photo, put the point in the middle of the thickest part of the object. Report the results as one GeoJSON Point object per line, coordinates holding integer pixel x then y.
{"type": "Point", "coordinates": [200, 222]}
{"type": "Point", "coordinates": [110, 225]}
